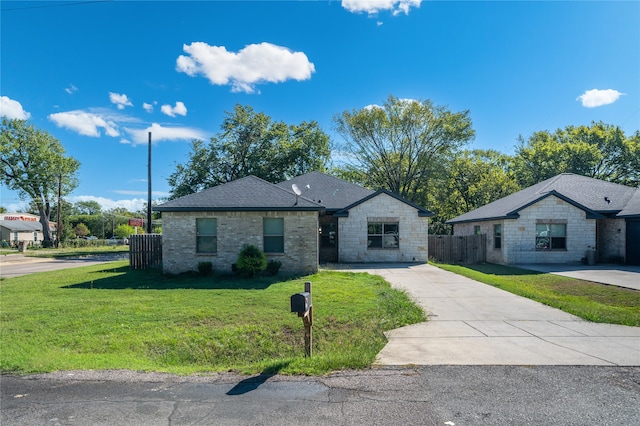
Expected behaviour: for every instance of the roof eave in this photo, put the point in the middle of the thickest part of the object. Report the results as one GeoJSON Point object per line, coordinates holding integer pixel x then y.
{"type": "Point", "coordinates": [484, 219]}
{"type": "Point", "coordinates": [235, 209]}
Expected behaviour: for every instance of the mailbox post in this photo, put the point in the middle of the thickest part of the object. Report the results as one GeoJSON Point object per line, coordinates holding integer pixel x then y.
{"type": "Point", "coordinates": [301, 303]}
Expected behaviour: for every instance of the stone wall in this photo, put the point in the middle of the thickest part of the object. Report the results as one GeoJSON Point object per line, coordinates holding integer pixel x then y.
{"type": "Point", "coordinates": [494, 255]}
{"type": "Point", "coordinates": [235, 229]}
{"type": "Point", "coordinates": [413, 231]}
{"type": "Point", "coordinates": [519, 235]}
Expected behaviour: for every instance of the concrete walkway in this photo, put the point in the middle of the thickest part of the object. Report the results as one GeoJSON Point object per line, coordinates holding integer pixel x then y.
{"type": "Point", "coordinates": [471, 323]}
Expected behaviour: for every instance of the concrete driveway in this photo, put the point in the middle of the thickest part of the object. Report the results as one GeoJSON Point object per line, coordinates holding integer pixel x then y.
{"type": "Point", "coordinates": [471, 323]}
{"type": "Point", "coordinates": [620, 275]}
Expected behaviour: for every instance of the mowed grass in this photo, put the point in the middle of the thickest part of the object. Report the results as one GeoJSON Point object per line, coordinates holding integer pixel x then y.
{"type": "Point", "coordinates": [78, 252]}
{"type": "Point", "coordinates": [591, 301]}
{"type": "Point", "coordinates": [110, 317]}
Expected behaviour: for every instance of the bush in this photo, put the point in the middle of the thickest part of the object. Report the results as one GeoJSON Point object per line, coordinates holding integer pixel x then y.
{"type": "Point", "coordinates": [205, 268]}
{"type": "Point", "coordinates": [273, 267]}
{"type": "Point", "coordinates": [251, 261]}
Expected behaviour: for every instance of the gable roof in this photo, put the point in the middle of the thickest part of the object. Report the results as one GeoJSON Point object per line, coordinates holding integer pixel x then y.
{"type": "Point", "coordinates": [596, 197]}
{"type": "Point", "coordinates": [632, 208]}
{"type": "Point", "coordinates": [329, 191]}
{"type": "Point", "coordinates": [246, 194]}
{"type": "Point", "coordinates": [21, 225]}
{"type": "Point", "coordinates": [422, 212]}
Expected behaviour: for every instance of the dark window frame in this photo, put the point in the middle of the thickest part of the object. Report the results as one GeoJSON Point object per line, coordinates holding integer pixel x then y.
{"type": "Point", "coordinates": [385, 238]}
{"type": "Point", "coordinates": [203, 240]}
{"type": "Point", "coordinates": [551, 241]}
{"type": "Point", "coordinates": [497, 236]}
{"type": "Point", "coordinates": [270, 240]}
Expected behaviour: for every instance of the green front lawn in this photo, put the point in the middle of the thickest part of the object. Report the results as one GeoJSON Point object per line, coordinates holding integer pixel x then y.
{"type": "Point", "coordinates": [591, 301]}
{"type": "Point", "coordinates": [76, 252]}
{"type": "Point", "coordinates": [110, 317]}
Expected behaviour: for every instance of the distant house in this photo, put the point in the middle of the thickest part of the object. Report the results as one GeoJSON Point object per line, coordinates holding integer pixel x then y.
{"type": "Point", "coordinates": [311, 219]}
{"type": "Point", "coordinates": [16, 227]}
{"type": "Point", "coordinates": [558, 221]}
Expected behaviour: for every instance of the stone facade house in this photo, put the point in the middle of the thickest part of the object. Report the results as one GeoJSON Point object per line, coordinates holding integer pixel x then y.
{"type": "Point", "coordinates": [567, 218]}
{"type": "Point", "coordinates": [324, 219]}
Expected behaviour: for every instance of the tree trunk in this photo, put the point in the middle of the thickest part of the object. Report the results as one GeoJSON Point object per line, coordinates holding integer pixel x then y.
{"type": "Point", "coordinates": [44, 211]}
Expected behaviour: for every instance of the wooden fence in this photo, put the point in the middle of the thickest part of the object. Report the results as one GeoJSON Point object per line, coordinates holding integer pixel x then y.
{"type": "Point", "coordinates": [145, 251]}
{"type": "Point", "coordinates": [458, 249]}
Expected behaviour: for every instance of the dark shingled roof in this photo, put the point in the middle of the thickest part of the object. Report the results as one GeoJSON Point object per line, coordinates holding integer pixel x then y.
{"type": "Point", "coordinates": [329, 191]}
{"type": "Point", "coordinates": [596, 197]}
{"type": "Point", "coordinates": [21, 225]}
{"type": "Point", "coordinates": [249, 193]}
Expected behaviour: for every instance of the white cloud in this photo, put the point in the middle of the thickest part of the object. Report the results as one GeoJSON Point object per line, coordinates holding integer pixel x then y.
{"type": "Point", "coordinates": [160, 133]}
{"type": "Point", "coordinates": [148, 107]}
{"type": "Point", "coordinates": [179, 109]}
{"type": "Point", "coordinates": [85, 123]}
{"type": "Point", "coordinates": [121, 100]}
{"type": "Point", "coordinates": [256, 63]}
{"type": "Point", "coordinates": [596, 97]}
{"type": "Point", "coordinates": [406, 101]}
{"type": "Point", "coordinates": [132, 205]}
{"type": "Point", "coordinates": [373, 7]}
{"type": "Point", "coordinates": [12, 109]}
{"type": "Point", "coordinates": [71, 89]}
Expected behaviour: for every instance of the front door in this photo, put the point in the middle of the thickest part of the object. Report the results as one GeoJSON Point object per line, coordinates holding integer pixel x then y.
{"type": "Point", "coordinates": [633, 242]}
{"type": "Point", "coordinates": [328, 239]}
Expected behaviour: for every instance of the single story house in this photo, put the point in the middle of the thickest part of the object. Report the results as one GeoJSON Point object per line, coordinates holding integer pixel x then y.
{"type": "Point", "coordinates": [560, 220]}
{"type": "Point", "coordinates": [15, 227]}
{"type": "Point", "coordinates": [311, 219]}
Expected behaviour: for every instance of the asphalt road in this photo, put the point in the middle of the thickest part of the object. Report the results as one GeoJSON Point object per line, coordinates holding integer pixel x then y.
{"type": "Point", "coordinates": [434, 395]}
{"type": "Point", "coordinates": [16, 265]}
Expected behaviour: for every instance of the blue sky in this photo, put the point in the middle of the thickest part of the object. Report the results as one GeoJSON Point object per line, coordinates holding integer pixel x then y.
{"type": "Point", "coordinates": [99, 75]}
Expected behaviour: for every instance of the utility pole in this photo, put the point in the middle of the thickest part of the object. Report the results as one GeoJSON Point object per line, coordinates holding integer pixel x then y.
{"type": "Point", "coordinates": [149, 227]}
{"type": "Point", "coordinates": [59, 223]}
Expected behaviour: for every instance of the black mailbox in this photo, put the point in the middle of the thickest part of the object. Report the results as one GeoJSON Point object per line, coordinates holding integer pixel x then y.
{"type": "Point", "coordinates": [301, 302]}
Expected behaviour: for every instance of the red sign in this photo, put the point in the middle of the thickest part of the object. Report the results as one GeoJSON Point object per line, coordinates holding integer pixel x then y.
{"type": "Point", "coordinates": [134, 221]}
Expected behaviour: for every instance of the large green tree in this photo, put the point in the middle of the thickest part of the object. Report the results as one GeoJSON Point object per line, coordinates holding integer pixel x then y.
{"type": "Point", "coordinates": [34, 164]}
{"type": "Point", "coordinates": [401, 146]}
{"type": "Point", "coordinates": [87, 207]}
{"type": "Point", "coordinates": [601, 151]}
{"type": "Point", "coordinates": [250, 143]}
{"type": "Point", "coordinates": [474, 178]}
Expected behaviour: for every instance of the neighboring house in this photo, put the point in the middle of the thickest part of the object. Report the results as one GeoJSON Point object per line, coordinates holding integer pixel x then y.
{"type": "Point", "coordinates": [15, 227]}
{"type": "Point", "coordinates": [330, 221]}
{"type": "Point", "coordinates": [559, 220]}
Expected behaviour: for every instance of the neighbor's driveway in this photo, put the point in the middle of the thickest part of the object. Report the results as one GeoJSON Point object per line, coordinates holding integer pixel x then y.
{"type": "Point", "coordinates": [471, 323]}
{"type": "Point", "coordinates": [620, 275]}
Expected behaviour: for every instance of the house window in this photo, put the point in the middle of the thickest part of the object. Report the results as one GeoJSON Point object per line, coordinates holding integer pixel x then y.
{"type": "Point", "coordinates": [497, 237]}
{"type": "Point", "coordinates": [382, 235]}
{"type": "Point", "coordinates": [206, 235]}
{"type": "Point", "coordinates": [273, 235]}
{"type": "Point", "coordinates": [551, 236]}
{"type": "Point", "coordinates": [35, 236]}
{"type": "Point", "coordinates": [15, 237]}
{"type": "Point", "coordinates": [476, 229]}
